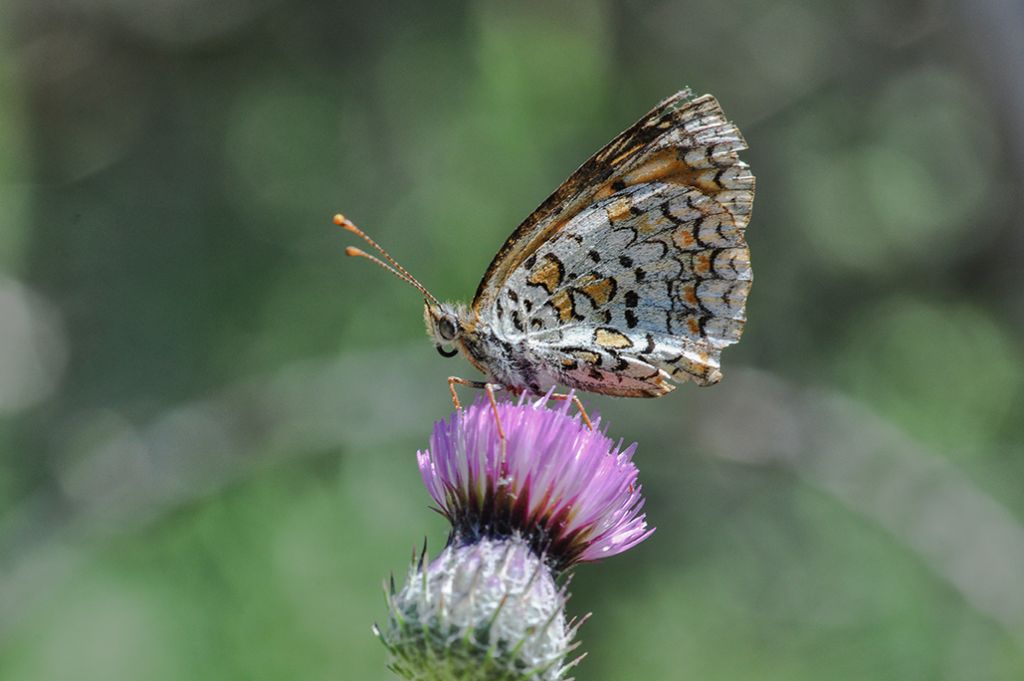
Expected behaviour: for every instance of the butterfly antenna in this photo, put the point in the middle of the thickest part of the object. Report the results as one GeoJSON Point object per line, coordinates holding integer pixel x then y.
{"type": "Point", "coordinates": [394, 267]}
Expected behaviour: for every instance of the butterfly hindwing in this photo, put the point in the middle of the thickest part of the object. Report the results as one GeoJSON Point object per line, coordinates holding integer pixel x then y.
{"type": "Point", "coordinates": [648, 279]}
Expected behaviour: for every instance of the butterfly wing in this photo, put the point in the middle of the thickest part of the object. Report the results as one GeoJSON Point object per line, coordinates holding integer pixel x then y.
{"type": "Point", "coordinates": [636, 269]}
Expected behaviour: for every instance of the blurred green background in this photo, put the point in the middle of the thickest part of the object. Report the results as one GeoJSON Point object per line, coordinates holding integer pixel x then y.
{"type": "Point", "coordinates": [208, 414]}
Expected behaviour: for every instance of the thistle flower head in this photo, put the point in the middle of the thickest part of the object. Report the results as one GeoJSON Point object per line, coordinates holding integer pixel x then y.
{"type": "Point", "coordinates": [566, 488]}
{"type": "Point", "coordinates": [523, 510]}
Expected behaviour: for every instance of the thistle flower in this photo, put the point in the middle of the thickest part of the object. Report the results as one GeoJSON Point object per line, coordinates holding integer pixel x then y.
{"type": "Point", "coordinates": [554, 494]}
{"type": "Point", "coordinates": [560, 484]}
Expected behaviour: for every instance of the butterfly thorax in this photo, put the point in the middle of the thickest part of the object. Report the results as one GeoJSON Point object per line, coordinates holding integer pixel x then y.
{"type": "Point", "coordinates": [508, 362]}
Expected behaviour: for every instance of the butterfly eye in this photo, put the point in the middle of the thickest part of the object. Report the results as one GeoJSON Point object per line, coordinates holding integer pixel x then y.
{"type": "Point", "coordinates": [446, 327]}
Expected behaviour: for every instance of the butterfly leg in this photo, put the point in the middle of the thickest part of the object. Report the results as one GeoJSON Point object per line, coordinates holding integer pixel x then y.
{"type": "Point", "coordinates": [579, 406]}
{"type": "Point", "coordinates": [488, 388]}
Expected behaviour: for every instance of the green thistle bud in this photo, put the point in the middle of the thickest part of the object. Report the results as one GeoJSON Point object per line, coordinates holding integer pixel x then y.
{"type": "Point", "coordinates": [483, 611]}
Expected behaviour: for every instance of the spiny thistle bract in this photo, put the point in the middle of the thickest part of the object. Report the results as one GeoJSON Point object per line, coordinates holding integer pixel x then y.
{"type": "Point", "coordinates": [555, 494]}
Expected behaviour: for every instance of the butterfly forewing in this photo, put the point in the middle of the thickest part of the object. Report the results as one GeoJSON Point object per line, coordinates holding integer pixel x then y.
{"type": "Point", "coordinates": [636, 269]}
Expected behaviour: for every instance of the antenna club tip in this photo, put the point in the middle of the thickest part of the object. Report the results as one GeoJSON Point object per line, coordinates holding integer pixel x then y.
{"type": "Point", "coordinates": [346, 224]}
{"type": "Point", "coordinates": [353, 251]}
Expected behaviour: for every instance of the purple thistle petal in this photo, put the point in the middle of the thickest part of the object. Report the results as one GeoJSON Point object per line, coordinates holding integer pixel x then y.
{"type": "Point", "coordinates": [568, 489]}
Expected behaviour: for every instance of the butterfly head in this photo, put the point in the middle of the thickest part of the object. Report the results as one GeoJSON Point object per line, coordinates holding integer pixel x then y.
{"type": "Point", "coordinates": [444, 325]}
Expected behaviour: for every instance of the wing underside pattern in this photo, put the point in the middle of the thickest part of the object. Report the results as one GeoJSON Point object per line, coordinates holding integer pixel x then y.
{"type": "Point", "coordinates": [646, 281]}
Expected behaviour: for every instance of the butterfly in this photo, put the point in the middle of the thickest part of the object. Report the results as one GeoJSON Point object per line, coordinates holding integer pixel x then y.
{"type": "Point", "coordinates": [631, 276]}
